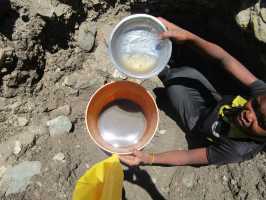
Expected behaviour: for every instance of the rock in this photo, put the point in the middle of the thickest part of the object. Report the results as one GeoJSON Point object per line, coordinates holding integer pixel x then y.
{"type": "Point", "coordinates": [263, 13]}
{"type": "Point", "coordinates": [18, 121]}
{"type": "Point", "coordinates": [63, 10]}
{"type": "Point", "coordinates": [2, 104]}
{"type": "Point", "coordinates": [95, 2]}
{"type": "Point", "coordinates": [1, 57]}
{"type": "Point", "coordinates": [64, 110]}
{"type": "Point", "coordinates": [243, 18]}
{"type": "Point", "coordinates": [26, 141]}
{"type": "Point", "coordinates": [8, 92]}
{"type": "Point", "coordinates": [86, 35]}
{"type": "Point", "coordinates": [255, 16]}
{"type": "Point", "coordinates": [71, 92]}
{"type": "Point", "coordinates": [51, 104]}
{"type": "Point", "coordinates": [80, 81]}
{"type": "Point", "coordinates": [259, 26]}
{"type": "Point", "coordinates": [188, 180]}
{"type": "Point", "coordinates": [2, 171]}
{"type": "Point", "coordinates": [119, 75]}
{"type": "Point", "coordinates": [59, 157]}
{"type": "Point", "coordinates": [38, 130]}
{"type": "Point", "coordinates": [15, 106]}
{"type": "Point", "coordinates": [85, 82]}
{"type": "Point", "coordinates": [6, 150]}
{"type": "Point", "coordinates": [71, 80]}
{"type": "Point", "coordinates": [17, 147]}
{"type": "Point", "coordinates": [44, 8]}
{"type": "Point", "coordinates": [50, 8]}
{"type": "Point", "coordinates": [59, 126]}
{"type": "Point", "coordinates": [243, 194]}
{"type": "Point", "coordinates": [17, 178]}
{"type": "Point", "coordinates": [102, 59]}
{"type": "Point", "coordinates": [22, 121]}
{"type": "Point", "coordinates": [162, 132]}
{"type": "Point", "coordinates": [74, 62]}
{"type": "Point", "coordinates": [225, 179]}
{"type": "Point", "coordinates": [6, 57]}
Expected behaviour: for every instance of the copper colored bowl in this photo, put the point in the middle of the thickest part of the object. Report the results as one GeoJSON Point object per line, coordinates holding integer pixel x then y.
{"type": "Point", "coordinates": [121, 90]}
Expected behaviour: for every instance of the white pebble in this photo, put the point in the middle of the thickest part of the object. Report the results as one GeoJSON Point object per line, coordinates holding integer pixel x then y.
{"type": "Point", "coordinates": [17, 147]}
{"type": "Point", "coordinates": [22, 121]}
{"type": "Point", "coordinates": [2, 171]}
{"type": "Point", "coordinates": [162, 132]}
{"type": "Point", "coordinates": [59, 157]}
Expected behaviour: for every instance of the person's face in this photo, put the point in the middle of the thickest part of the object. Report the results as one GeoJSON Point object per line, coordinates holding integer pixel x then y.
{"type": "Point", "coordinates": [250, 118]}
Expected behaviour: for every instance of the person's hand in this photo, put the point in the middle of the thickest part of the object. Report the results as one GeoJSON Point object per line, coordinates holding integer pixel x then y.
{"type": "Point", "coordinates": [179, 34]}
{"type": "Point", "coordinates": [136, 158]}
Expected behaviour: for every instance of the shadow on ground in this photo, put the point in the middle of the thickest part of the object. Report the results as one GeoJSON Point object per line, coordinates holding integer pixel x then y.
{"type": "Point", "coordinates": [141, 178]}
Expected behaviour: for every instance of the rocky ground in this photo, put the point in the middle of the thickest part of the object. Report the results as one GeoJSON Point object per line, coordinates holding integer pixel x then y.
{"type": "Point", "coordinates": [53, 56]}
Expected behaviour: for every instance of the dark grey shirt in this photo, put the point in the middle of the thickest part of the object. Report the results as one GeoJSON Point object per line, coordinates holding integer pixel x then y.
{"type": "Point", "coordinates": [226, 150]}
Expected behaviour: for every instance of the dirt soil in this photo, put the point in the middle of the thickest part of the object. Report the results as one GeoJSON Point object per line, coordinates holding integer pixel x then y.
{"type": "Point", "coordinates": [53, 57]}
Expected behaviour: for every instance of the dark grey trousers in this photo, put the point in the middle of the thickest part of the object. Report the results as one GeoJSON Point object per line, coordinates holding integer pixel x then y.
{"type": "Point", "coordinates": [190, 93]}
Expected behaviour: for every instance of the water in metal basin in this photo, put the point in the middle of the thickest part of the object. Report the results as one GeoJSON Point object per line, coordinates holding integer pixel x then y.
{"type": "Point", "coordinates": [138, 62]}
{"type": "Point", "coordinates": [139, 49]}
{"type": "Point", "coordinates": [122, 123]}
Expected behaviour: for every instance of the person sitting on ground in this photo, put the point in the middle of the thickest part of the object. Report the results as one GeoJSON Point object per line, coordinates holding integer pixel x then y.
{"type": "Point", "coordinates": [233, 129]}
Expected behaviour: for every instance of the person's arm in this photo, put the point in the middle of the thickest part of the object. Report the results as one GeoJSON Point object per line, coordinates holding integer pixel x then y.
{"type": "Point", "coordinates": [177, 157]}
{"type": "Point", "coordinates": [212, 50]}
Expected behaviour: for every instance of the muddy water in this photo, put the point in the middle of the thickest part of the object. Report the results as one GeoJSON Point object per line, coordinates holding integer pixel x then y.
{"type": "Point", "coordinates": [138, 62]}
{"type": "Point", "coordinates": [122, 123]}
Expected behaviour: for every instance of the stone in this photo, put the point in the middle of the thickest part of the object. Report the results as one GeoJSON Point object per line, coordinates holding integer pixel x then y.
{"type": "Point", "coordinates": [50, 8]}
{"type": "Point", "coordinates": [9, 92]}
{"type": "Point", "coordinates": [105, 32]}
{"type": "Point", "coordinates": [63, 110]}
{"type": "Point", "coordinates": [44, 8]}
{"type": "Point", "coordinates": [71, 80]}
{"type": "Point", "coordinates": [162, 132]}
{"type": "Point", "coordinates": [6, 149]}
{"type": "Point", "coordinates": [119, 75]}
{"type": "Point", "coordinates": [59, 157]}
{"type": "Point", "coordinates": [1, 56]}
{"type": "Point", "coordinates": [15, 106]}
{"type": "Point", "coordinates": [2, 104]}
{"type": "Point", "coordinates": [63, 10]}
{"type": "Point", "coordinates": [188, 180]}
{"type": "Point", "coordinates": [86, 36]}
{"type": "Point", "coordinates": [26, 140]}
{"type": "Point", "coordinates": [85, 82]}
{"type": "Point", "coordinates": [17, 147]}
{"type": "Point", "coordinates": [59, 126]}
{"type": "Point", "coordinates": [2, 171]}
{"type": "Point", "coordinates": [17, 178]}
{"type": "Point", "coordinates": [263, 13]}
{"type": "Point", "coordinates": [38, 130]}
{"type": "Point", "coordinates": [258, 24]}
{"type": "Point", "coordinates": [102, 59]}
{"type": "Point", "coordinates": [259, 28]}
{"type": "Point", "coordinates": [243, 18]}
{"type": "Point", "coordinates": [6, 56]}
{"type": "Point", "coordinates": [22, 121]}
{"type": "Point", "coordinates": [71, 92]}
{"type": "Point", "coordinates": [79, 81]}
{"type": "Point", "coordinates": [95, 2]}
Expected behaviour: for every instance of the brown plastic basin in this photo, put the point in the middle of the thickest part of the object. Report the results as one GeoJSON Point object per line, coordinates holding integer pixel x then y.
{"type": "Point", "coordinates": [115, 91]}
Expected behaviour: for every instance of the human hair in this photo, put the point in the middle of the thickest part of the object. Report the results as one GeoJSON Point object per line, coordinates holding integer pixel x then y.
{"type": "Point", "coordinates": [262, 108]}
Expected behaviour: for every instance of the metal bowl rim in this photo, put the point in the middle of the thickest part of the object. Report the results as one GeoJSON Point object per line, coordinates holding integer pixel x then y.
{"type": "Point", "coordinates": [128, 73]}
